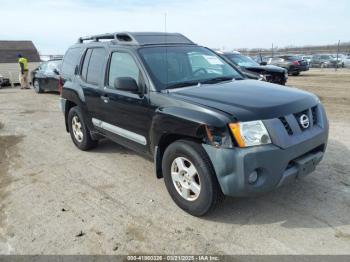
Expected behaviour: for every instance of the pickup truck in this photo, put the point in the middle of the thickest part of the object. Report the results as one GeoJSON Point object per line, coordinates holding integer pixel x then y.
{"type": "Point", "coordinates": [210, 131]}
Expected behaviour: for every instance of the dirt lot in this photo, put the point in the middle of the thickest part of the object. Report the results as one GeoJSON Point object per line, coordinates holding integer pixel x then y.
{"type": "Point", "coordinates": [56, 199]}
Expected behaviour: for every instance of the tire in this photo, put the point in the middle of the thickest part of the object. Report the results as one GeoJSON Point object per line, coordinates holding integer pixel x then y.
{"type": "Point", "coordinates": [79, 131]}
{"type": "Point", "coordinates": [296, 73]}
{"type": "Point", "coordinates": [191, 154]}
{"type": "Point", "coordinates": [36, 85]}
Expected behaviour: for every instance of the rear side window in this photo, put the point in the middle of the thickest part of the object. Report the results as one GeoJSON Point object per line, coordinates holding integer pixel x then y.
{"type": "Point", "coordinates": [86, 64]}
{"type": "Point", "coordinates": [70, 61]}
{"type": "Point", "coordinates": [94, 64]}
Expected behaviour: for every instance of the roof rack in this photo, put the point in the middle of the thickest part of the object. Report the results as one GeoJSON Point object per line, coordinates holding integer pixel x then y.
{"type": "Point", "coordinates": [144, 38]}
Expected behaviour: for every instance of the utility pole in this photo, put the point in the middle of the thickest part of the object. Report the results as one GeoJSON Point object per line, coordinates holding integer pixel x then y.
{"type": "Point", "coordinates": [336, 67]}
{"type": "Point", "coordinates": [165, 21]}
{"type": "Point", "coordinates": [272, 50]}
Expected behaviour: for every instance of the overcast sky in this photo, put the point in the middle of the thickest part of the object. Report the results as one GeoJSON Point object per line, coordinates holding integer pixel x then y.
{"type": "Point", "coordinates": [53, 25]}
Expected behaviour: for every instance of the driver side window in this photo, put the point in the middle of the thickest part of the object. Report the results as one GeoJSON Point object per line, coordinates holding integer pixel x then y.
{"type": "Point", "coordinates": [122, 65]}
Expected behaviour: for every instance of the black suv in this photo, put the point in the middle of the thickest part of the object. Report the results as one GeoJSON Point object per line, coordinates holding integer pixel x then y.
{"type": "Point", "coordinates": [210, 131]}
{"type": "Point", "coordinates": [270, 73]}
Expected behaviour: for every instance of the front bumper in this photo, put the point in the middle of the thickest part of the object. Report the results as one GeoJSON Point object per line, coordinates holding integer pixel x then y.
{"type": "Point", "coordinates": [275, 165]}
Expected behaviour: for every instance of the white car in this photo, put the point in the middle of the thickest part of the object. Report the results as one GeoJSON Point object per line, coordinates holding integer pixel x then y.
{"type": "Point", "coordinates": [346, 61]}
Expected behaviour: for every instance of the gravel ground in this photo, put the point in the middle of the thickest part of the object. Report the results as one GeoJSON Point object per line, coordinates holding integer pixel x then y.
{"type": "Point", "coordinates": [56, 199]}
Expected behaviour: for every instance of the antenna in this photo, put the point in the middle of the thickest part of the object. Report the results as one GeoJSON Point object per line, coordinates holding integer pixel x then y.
{"type": "Point", "coordinates": [166, 48]}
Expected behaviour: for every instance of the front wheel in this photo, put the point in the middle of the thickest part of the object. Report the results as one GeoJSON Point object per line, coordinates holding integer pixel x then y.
{"type": "Point", "coordinates": [190, 178]}
{"type": "Point", "coordinates": [36, 85]}
{"type": "Point", "coordinates": [79, 131]}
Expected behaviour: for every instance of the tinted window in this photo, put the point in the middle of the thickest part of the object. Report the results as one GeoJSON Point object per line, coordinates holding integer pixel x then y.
{"type": "Point", "coordinates": [52, 65]}
{"type": "Point", "coordinates": [241, 60]}
{"type": "Point", "coordinates": [86, 64]}
{"type": "Point", "coordinates": [122, 65]}
{"type": "Point", "coordinates": [43, 66]}
{"type": "Point", "coordinates": [71, 60]}
{"type": "Point", "coordinates": [96, 66]}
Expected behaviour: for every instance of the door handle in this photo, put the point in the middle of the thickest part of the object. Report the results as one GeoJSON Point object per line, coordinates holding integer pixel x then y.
{"type": "Point", "coordinates": [105, 98]}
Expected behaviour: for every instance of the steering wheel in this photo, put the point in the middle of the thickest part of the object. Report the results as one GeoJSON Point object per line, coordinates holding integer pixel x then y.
{"type": "Point", "coordinates": [200, 70]}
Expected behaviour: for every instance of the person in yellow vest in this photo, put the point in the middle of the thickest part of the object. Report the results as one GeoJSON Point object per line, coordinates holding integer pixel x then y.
{"type": "Point", "coordinates": [23, 76]}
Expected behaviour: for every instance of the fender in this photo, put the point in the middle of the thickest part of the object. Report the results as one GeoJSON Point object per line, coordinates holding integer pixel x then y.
{"type": "Point", "coordinates": [75, 95]}
{"type": "Point", "coordinates": [172, 123]}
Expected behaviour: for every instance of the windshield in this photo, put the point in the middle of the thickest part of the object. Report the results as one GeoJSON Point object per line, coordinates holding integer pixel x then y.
{"type": "Point", "coordinates": [178, 66]}
{"type": "Point", "coordinates": [242, 60]}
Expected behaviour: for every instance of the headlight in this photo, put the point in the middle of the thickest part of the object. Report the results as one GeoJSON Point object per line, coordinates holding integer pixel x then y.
{"type": "Point", "coordinates": [286, 74]}
{"type": "Point", "coordinates": [251, 133]}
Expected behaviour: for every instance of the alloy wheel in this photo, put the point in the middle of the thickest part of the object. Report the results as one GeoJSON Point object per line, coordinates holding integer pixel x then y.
{"type": "Point", "coordinates": [77, 129]}
{"type": "Point", "coordinates": [185, 178]}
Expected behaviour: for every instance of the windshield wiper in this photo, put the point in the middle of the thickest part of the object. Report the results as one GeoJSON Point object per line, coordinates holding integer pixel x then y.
{"type": "Point", "coordinates": [182, 84]}
{"type": "Point", "coordinates": [217, 80]}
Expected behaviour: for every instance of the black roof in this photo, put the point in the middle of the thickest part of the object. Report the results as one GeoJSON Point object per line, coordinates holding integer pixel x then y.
{"type": "Point", "coordinates": [10, 49]}
{"type": "Point", "coordinates": [140, 38]}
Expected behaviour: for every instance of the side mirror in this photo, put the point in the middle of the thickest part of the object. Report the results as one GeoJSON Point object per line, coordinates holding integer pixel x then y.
{"type": "Point", "coordinates": [263, 63]}
{"type": "Point", "coordinates": [56, 71]}
{"type": "Point", "coordinates": [126, 84]}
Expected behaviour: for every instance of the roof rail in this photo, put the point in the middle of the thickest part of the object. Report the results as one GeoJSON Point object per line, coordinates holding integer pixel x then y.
{"type": "Point", "coordinates": [124, 37]}
{"type": "Point", "coordinates": [139, 38]}
{"type": "Point", "coordinates": [96, 37]}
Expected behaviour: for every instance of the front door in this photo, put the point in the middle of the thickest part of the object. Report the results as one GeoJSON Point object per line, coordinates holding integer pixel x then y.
{"type": "Point", "coordinates": [127, 114]}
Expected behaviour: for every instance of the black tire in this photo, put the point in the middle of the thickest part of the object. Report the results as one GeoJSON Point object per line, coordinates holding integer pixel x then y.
{"type": "Point", "coordinates": [210, 192]}
{"type": "Point", "coordinates": [296, 73]}
{"type": "Point", "coordinates": [36, 86]}
{"type": "Point", "coordinates": [86, 142]}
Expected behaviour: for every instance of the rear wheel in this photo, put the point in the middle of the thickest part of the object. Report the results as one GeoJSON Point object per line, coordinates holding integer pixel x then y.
{"type": "Point", "coordinates": [79, 131]}
{"type": "Point", "coordinates": [190, 179]}
{"type": "Point", "coordinates": [296, 73]}
{"type": "Point", "coordinates": [36, 85]}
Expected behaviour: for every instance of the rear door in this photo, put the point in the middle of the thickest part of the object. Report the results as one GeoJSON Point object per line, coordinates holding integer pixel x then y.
{"type": "Point", "coordinates": [51, 75]}
{"type": "Point", "coordinates": [91, 79]}
{"type": "Point", "coordinates": [40, 75]}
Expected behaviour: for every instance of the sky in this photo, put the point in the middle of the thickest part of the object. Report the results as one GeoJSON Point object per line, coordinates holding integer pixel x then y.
{"type": "Point", "coordinates": [54, 25]}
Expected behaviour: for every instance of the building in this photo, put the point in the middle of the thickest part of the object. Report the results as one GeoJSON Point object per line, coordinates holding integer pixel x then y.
{"type": "Point", "coordinates": [9, 51]}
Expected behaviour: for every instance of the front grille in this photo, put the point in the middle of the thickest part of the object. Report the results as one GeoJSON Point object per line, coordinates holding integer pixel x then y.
{"type": "Point", "coordinates": [286, 125]}
{"type": "Point", "coordinates": [312, 115]}
{"type": "Point", "coordinates": [298, 115]}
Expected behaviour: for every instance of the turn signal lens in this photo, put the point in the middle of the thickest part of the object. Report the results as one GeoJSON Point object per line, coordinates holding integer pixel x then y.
{"type": "Point", "coordinates": [235, 129]}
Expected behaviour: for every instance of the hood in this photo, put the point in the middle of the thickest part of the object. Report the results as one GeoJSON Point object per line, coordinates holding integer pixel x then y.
{"type": "Point", "coordinates": [267, 68]}
{"type": "Point", "coordinates": [248, 100]}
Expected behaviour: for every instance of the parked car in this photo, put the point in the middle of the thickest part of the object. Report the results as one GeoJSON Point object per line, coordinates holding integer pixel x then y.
{"type": "Point", "coordinates": [273, 74]}
{"type": "Point", "coordinates": [340, 59]}
{"type": "Point", "coordinates": [307, 58]}
{"type": "Point", "coordinates": [347, 61]}
{"type": "Point", "coordinates": [210, 131]}
{"type": "Point", "coordinates": [323, 61]}
{"type": "Point", "coordinates": [293, 64]}
{"type": "Point", "coordinates": [4, 81]}
{"type": "Point", "coordinates": [46, 76]}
